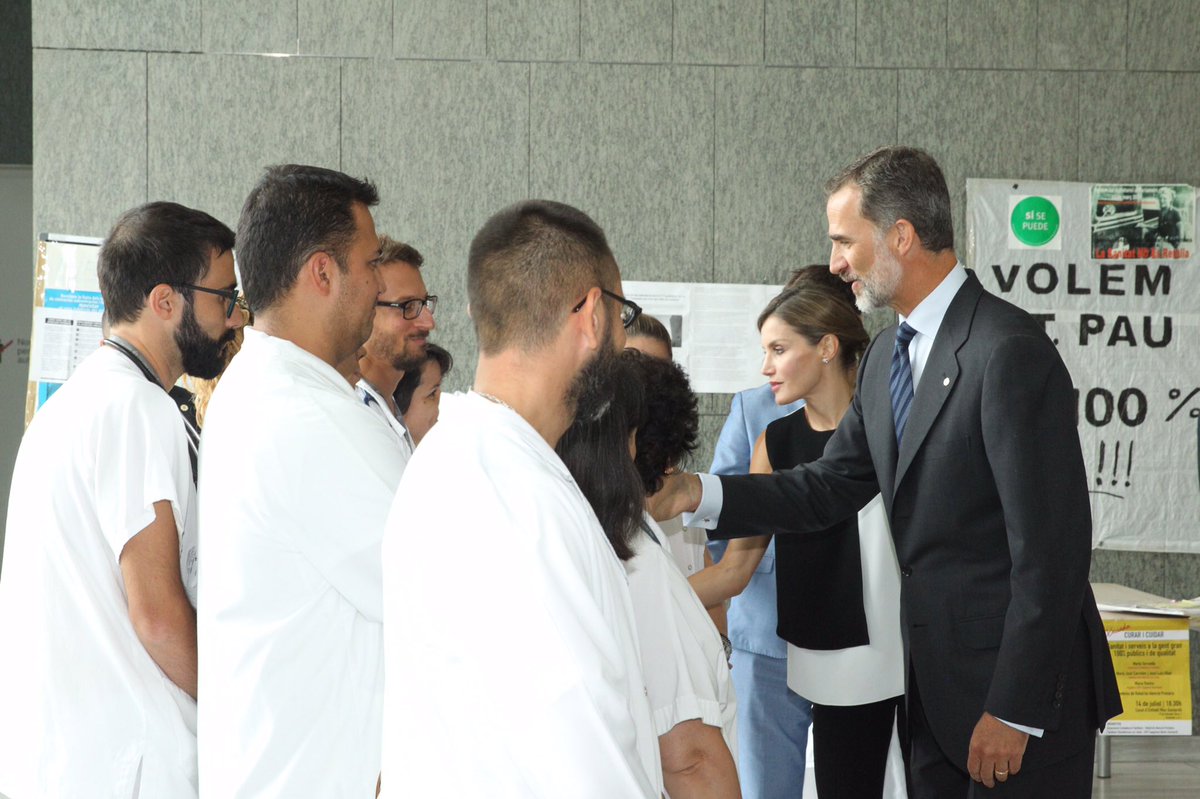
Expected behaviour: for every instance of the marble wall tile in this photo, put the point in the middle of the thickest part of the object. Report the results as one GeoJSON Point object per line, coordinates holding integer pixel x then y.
{"type": "Point", "coordinates": [1145, 571]}
{"type": "Point", "coordinates": [332, 27]}
{"type": "Point", "coordinates": [631, 31]}
{"type": "Point", "coordinates": [533, 30]}
{"type": "Point", "coordinates": [251, 26]}
{"type": "Point", "coordinates": [992, 34]}
{"type": "Point", "coordinates": [637, 157]}
{"type": "Point", "coordinates": [780, 134]}
{"type": "Point", "coordinates": [257, 112]}
{"type": "Point", "coordinates": [171, 25]}
{"type": "Point", "coordinates": [89, 144]}
{"type": "Point", "coordinates": [718, 32]}
{"type": "Point", "coordinates": [810, 33]}
{"type": "Point", "coordinates": [440, 28]}
{"type": "Point", "coordinates": [1162, 35]}
{"type": "Point", "coordinates": [899, 33]}
{"type": "Point", "coordinates": [1074, 35]}
{"type": "Point", "coordinates": [1118, 143]}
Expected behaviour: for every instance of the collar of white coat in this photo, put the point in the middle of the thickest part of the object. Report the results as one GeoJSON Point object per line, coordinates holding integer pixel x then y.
{"type": "Point", "coordinates": [927, 317]}
{"type": "Point", "coordinates": [285, 352]}
{"type": "Point", "coordinates": [475, 404]}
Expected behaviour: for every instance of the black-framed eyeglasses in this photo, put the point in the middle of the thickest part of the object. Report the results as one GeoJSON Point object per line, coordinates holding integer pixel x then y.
{"type": "Point", "coordinates": [411, 309]}
{"type": "Point", "coordinates": [630, 310]}
{"type": "Point", "coordinates": [232, 295]}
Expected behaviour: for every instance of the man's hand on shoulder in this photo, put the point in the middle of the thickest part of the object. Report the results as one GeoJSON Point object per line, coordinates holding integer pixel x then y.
{"type": "Point", "coordinates": [996, 751]}
{"type": "Point", "coordinates": [680, 493]}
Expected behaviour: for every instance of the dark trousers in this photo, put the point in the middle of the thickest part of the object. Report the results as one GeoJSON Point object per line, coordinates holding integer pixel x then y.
{"type": "Point", "coordinates": [850, 748]}
{"type": "Point", "coordinates": [933, 776]}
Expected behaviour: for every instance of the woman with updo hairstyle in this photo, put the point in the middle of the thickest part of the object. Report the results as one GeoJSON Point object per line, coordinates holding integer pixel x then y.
{"type": "Point", "coordinates": [838, 590]}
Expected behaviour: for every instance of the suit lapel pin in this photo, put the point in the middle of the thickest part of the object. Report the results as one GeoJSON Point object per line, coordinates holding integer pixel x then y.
{"type": "Point", "coordinates": [945, 381]}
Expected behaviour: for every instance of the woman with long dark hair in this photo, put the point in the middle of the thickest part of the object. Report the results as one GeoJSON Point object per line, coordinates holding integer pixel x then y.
{"type": "Point", "coordinates": [683, 660]}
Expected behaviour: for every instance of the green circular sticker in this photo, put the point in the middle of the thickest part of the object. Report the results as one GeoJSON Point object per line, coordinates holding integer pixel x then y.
{"type": "Point", "coordinates": [1034, 221]}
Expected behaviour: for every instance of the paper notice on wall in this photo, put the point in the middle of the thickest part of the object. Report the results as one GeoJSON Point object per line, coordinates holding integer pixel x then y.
{"type": "Point", "coordinates": [713, 327]}
{"type": "Point", "coordinates": [1151, 658]}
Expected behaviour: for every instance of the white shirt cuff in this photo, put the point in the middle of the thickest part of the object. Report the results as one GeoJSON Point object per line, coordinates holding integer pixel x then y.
{"type": "Point", "coordinates": [1034, 731]}
{"type": "Point", "coordinates": [712, 497]}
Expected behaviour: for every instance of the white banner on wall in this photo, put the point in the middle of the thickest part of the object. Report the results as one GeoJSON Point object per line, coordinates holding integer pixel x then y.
{"type": "Point", "coordinates": [1113, 273]}
{"type": "Point", "coordinates": [714, 329]}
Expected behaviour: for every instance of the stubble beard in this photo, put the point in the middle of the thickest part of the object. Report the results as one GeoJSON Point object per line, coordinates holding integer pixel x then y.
{"type": "Point", "coordinates": [879, 287]}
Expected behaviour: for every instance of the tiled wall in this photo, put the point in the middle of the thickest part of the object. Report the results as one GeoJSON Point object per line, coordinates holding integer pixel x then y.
{"type": "Point", "coordinates": [697, 132]}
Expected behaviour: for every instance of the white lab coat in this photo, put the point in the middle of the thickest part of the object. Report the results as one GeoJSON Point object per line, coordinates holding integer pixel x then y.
{"type": "Point", "coordinates": [296, 476]}
{"type": "Point", "coordinates": [687, 674]}
{"type": "Point", "coordinates": [512, 658]}
{"type": "Point", "coordinates": [84, 709]}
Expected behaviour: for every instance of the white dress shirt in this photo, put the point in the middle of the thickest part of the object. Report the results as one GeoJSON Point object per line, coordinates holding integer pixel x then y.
{"type": "Point", "coordinates": [379, 405]}
{"type": "Point", "coordinates": [84, 709]}
{"type": "Point", "coordinates": [296, 476]}
{"type": "Point", "coordinates": [511, 651]}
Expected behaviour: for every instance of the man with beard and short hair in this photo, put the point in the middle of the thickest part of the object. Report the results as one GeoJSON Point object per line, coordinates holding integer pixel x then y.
{"type": "Point", "coordinates": [98, 682]}
{"type": "Point", "coordinates": [296, 476]}
{"type": "Point", "coordinates": [515, 671]}
{"type": "Point", "coordinates": [403, 320]}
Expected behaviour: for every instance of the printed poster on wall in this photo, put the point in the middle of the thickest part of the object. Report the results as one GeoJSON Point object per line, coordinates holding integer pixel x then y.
{"type": "Point", "coordinates": [1112, 272]}
{"type": "Point", "coordinates": [1150, 656]}
{"type": "Point", "coordinates": [67, 313]}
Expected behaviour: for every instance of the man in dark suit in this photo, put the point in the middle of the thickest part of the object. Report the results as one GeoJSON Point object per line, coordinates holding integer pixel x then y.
{"type": "Point", "coordinates": [964, 419]}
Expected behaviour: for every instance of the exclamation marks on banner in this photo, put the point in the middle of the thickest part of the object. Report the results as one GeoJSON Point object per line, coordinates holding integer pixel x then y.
{"type": "Point", "coordinates": [1115, 466]}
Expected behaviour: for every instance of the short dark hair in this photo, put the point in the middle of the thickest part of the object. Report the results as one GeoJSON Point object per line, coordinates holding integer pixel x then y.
{"type": "Point", "coordinates": [407, 387]}
{"type": "Point", "coordinates": [596, 452]}
{"type": "Point", "coordinates": [527, 265]}
{"type": "Point", "coordinates": [668, 431]}
{"type": "Point", "coordinates": [159, 242]}
{"type": "Point", "coordinates": [817, 307]}
{"type": "Point", "coordinates": [293, 212]}
{"type": "Point", "coordinates": [647, 326]}
{"type": "Point", "coordinates": [902, 183]}
{"type": "Point", "coordinates": [397, 252]}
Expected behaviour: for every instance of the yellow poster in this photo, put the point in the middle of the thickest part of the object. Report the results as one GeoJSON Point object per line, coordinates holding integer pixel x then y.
{"type": "Point", "coordinates": [1151, 659]}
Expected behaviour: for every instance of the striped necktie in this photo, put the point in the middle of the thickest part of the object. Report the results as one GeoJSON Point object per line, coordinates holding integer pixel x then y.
{"type": "Point", "coordinates": [901, 383]}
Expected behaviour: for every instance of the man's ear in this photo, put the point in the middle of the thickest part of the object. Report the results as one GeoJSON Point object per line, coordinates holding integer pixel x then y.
{"type": "Point", "coordinates": [163, 301]}
{"type": "Point", "coordinates": [905, 237]}
{"type": "Point", "coordinates": [591, 319]}
{"type": "Point", "coordinates": [318, 271]}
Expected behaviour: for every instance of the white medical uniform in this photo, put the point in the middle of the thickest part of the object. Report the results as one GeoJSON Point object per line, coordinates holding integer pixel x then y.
{"type": "Point", "coordinates": [512, 658]}
{"type": "Point", "coordinates": [296, 476]}
{"type": "Point", "coordinates": [84, 710]}
{"type": "Point", "coordinates": [687, 674]}
{"type": "Point", "coordinates": [686, 545]}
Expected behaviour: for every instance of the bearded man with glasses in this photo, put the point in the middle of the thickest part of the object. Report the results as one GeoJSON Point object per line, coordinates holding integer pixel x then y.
{"type": "Point", "coordinates": [97, 599]}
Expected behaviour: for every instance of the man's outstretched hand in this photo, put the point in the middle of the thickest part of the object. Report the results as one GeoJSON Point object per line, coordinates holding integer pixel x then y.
{"type": "Point", "coordinates": [680, 493]}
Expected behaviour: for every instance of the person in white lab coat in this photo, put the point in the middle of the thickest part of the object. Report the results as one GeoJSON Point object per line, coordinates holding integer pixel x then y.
{"type": "Point", "coordinates": [687, 672]}
{"type": "Point", "coordinates": [296, 476]}
{"type": "Point", "coordinates": [403, 320]}
{"type": "Point", "coordinates": [98, 629]}
{"type": "Point", "coordinates": [513, 670]}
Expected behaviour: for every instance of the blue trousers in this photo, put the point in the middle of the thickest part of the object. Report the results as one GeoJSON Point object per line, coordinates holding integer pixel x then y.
{"type": "Point", "coordinates": [773, 727]}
